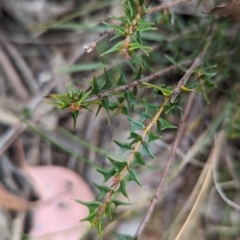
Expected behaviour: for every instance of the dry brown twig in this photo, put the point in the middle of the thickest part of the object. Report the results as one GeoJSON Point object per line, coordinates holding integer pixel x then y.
{"type": "Point", "coordinates": [13, 77]}
{"type": "Point", "coordinates": [90, 47]}
{"type": "Point", "coordinates": [27, 75]}
{"type": "Point", "coordinates": [174, 146]}
{"type": "Point", "coordinates": [11, 134]}
{"type": "Point", "coordinates": [176, 92]}
{"type": "Point", "coordinates": [219, 187]}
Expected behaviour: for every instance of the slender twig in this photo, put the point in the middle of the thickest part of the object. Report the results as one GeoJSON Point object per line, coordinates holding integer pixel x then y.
{"type": "Point", "coordinates": [130, 29]}
{"type": "Point", "coordinates": [90, 47]}
{"type": "Point", "coordinates": [21, 64]}
{"type": "Point", "coordinates": [11, 134]}
{"type": "Point", "coordinates": [166, 6]}
{"type": "Point", "coordinates": [137, 82]}
{"type": "Point", "coordinates": [120, 176]}
{"type": "Point", "coordinates": [174, 146]}
{"type": "Point", "coordinates": [219, 187]}
{"type": "Point", "coordinates": [21, 38]}
{"type": "Point", "coordinates": [13, 77]}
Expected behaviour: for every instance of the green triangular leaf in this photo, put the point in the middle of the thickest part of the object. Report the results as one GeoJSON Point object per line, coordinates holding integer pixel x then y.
{"type": "Point", "coordinates": [134, 135]}
{"type": "Point", "coordinates": [122, 80]}
{"type": "Point", "coordinates": [119, 29]}
{"type": "Point", "coordinates": [146, 150]}
{"type": "Point", "coordinates": [143, 116]}
{"type": "Point", "coordinates": [107, 85]}
{"type": "Point", "coordinates": [137, 139]}
{"type": "Point", "coordinates": [108, 211]}
{"type": "Point", "coordinates": [27, 112]}
{"type": "Point", "coordinates": [165, 124]}
{"type": "Point", "coordinates": [103, 190]}
{"type": "Point", "coordinates": [185, 89]}
{"type": "Point", "coordinates": [124, 110]}
{"type": "Point", "coordinates": [149, 107]}
{"type": "Point", "coordinates": [74, 116]}
{"type": "Point", "coordinates": [138, 58]}
{"type": "Point", "coordinates": [127, 13]}
{"type": "Point", "coordinates": [99, 228]}
{"type": "Point", "coordinates": [135, 91]}
{"type": "Point", "coordinates": [106, 107]}
{"type": "Point", "coordinates": [131, 99]}
{"type": "Point", "coordinates": [135, 125]}
{"type": "Point", "coordinates": [165, 92]}
{"type": "Point", "coordinates": [175, 63]}
{"type": "Point", "coordinates": [120, 19]}
{"type": "Point", "coordinates": [159, 131]}
{"type": "Point", "coordinates": [138, 159]}
{"type": "Point", "coordinates": [83, 97]}
{"type": "Point", "coordinates": [113, 105]}
{"type": "Point", "coordinates": [85, 106]}
{"type": "Point", "coordinates": [134, 177]}
{"type": "Point", "coordinates": [169, 108]}
{"type": "Point", "coordinates": [119, 165]}
{"type": "Point", "coordinates": [152, 137]}
{"type": "Point", "coordinates": [90, 218]}
{"type": "Point", "coordinates": [116, 47]}
{"type": "Point", "coordinates": [95, 87]}
{"type": "Point", "coordinates": [80, 94]}
{"type": "Point", "coordinates": [71, 90]}
{"type": "Point", "coordinates": [130, 9]}
{"type": "Point", "coordinates": [98, 110]}
{"type": "Point", "coordinates": [118, 203]}
{"type": "Point", "coordinates": [139, 74]}
{"type": "Point", "coordinates": [122, 188]}
{"type": "Point", "coordinates": [132, 6]}
{"type": "Point", "coordinates": [123, 146]}
{"type": "Point", "coordinates": [107, 173]}
{"type": "Point", "coordinates": [92, 206]}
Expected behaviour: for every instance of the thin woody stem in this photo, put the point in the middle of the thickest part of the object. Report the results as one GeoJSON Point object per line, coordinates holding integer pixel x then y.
{"type": "Point", "coordinates": [146, 131]}
{"type": "Point", "coordinates": [175, 144]}
{"type": "Point", "coordinates": [166, 169]}
{"type": "Point", "coordinates": [130, 159]}
{"type": "Point", "coordinates": [130, 30]}
{"type": "Point", "coordinates": [137, 82]}
{"type": "Point", "coordinates": [90, 47]}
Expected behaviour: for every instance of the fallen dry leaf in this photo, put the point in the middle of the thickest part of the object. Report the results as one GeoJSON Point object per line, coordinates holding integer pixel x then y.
{"type": "Point", "coordinates": [56, 214]}
{"type": "Point", "coordinates": [57, 218]}
{"type": "Point", "coordinates": [230, 9]}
